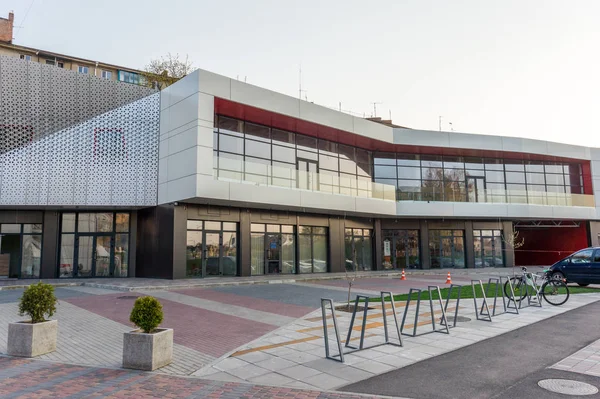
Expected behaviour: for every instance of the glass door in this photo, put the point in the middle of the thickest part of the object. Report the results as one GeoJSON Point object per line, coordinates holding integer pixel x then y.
{"type": "Point", "coordinates": [94, 256]}
{"type": "Point", "coordinates": [212, 256]}
{"type": "Point", "coordinates": [307, 174]}
{"type": "Point", "coordinates": [273, 253]}
{"type": "Point", "coordinates": [476, 189]}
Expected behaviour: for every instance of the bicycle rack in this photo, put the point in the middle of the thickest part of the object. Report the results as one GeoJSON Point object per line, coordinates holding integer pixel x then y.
{"type": "Point", "coordinates": [414, 334]}
{"type": "Point", "coordinates": [337, 333]}
{"type": "Point", "coordinates": [537, 302]}
{"type": "Point", "coordinates": [393, 305]}
{"type": "Point", "coordinates": [364, 322]}
{"type": "Point", "coordinates": [498, 287]}
{"type": "Point", "coordinates": [487, 316]}
{"type": "Point", "coordinates": [437, 288]}
{"type": "Point", "coordinates": [443, 320]}
{"type": "Point", "coordinates": [507, 307]}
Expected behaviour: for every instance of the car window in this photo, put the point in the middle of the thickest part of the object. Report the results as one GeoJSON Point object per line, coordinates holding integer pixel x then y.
{"type": "Point", "coordinates": [597, 256]}
{"type": "Point", "coordinates": [584, 256]}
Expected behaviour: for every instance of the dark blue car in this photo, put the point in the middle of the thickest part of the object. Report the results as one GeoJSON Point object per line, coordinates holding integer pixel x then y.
{"type": "Point", "coordinates": [582, 267]}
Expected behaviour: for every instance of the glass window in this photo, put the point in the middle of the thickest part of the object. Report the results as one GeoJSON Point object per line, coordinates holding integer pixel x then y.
{"type": "Point", "coordinates": [306, 142]}
{"type": "Point", "coordinates": [455, 175]}
{"type": "Point", "coordinates": [431, 161]}
{"type": "Point", "coordinates": [328, 162]}
{"type": "Point", "coordinates": [284, 154]}
{"type": "Point", "coordinates": [385, 158]}
{"type": "Point", "coordinates": [514, 166]}
{"type": "Point", "coordinates": [535, 178]}
{"type": "Point", "coordinates": [258, 228]}
{"type": "Point", "coordinates": [553, 168]}
{"type": "Point", "coordinates": [231, 144]}
{"type": "Point", "coordinates": [32, 228]}
{"type": "Point", "coordinates": [446, 248]}
{"type": "Point", "coordinates": [328, 147]}
{"type": "Point", "coordinates": [31, 256]}
{"type": "Point", "coordinates": [408, 173]}
{"type": "Point", "coordinates": [476, 173]}
{"type": "Point", "coordinates": [347, 152]}
{"type": "Point", "coordinates": [554, 179]}
{"type": "Point", "coordinates": [494, 176]}
{"type": "Point", "coordinates": [82, 69]}
{"type": "Point", "coordinates": [230, 126]}
{"type": "Point", "coordinates": [122, 222]}
{"type": "Point", "coordinates": [194, 224]}
{"type": "Point", "coordinates": [386, 172]}
{"type": "Point", "coordinates": [364, 169]}
{"type": "Point", "coordinates": [231, 162]}
{"type": "Point", "coordinates": [212, 225]}
{"type": "Point", "coordinates": [104, 222]}
{"type": "Point", "coordinates": [537, 167]}
{"type": "Point", "coordinates": [555, 189]}
{"type": "Point", "coordinates": [68, 222]}
{"type": "Point", "coordinates": [432, 173]}
{"type": "Point", "coordinates": [363, 156]}
{"type": "Point", "coordinates": [408, 160]}
{"type": "Point", "coordinates": [194, 254]}
{"type": "Point", "coordinates": [10, 228]}
{"type": "Point", "coordinates": [283, 138]}
{"type": "Point", "coordinates": [121, 255]}
{"type": "Point", "coordinates": [453, 163]}
{"type": "Point", "coordinates": [474, 163]}
{"type": "Point", "coordinates": [515, 187]}
{"type": "Point", "coordinates": [319, 257]}
{"type": "Point", "coordinates": [288, 250]}
{"type": "Point", "coordinates": [515, 177]}
{"type": "Point", "coordinates": [229, 226]}
{"type": "Point", "coordinates": [273, 228]}
{"type": "Point", "coordinates": [347, 166]}
{"type": "Point", "coordinates": [67, 248]}
{"type": "Point", "coordinates": [258, 149]}
{"type": "Point", "coordinates": [287, 229]}
{"type": "Point", "coordinates": [107, 75]}
{"type": "Point", "coordinates": [257, 253]}
{"type": "Point", "coordinates": [257, 132]}
{"type": "Point", "coordinates": [584, 256]}
{"type": "Point", "coordinates": [494, 164]}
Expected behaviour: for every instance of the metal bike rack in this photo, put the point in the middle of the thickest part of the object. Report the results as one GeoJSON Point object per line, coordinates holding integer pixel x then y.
{"type": "Point", "coordinates": [430, 289]}
{"type": "Point", "coordinates": [443, 321]}
{"type": "Point", "coordinates": [507, 308]}
{"type": "Point", "coordinates": [537, 302]}
{"type": "Point", "coordinates": [498, 287]}
{"type": "Point", "coordinates": [393, 305]}
{"type": "Point", "coordinates": [414, 334]}
{"type": "Point", "coordinates": [364, 322]}
{"type": "Point", "coordinates": [479, 313]}
{"type": "Point", "coordinates": [337, 333]}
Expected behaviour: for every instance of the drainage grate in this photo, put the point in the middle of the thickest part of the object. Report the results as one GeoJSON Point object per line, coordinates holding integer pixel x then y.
{"type": "Point", "coordinates": [568, 387]}
{"type": "Point", "coordinates": [127, 297]}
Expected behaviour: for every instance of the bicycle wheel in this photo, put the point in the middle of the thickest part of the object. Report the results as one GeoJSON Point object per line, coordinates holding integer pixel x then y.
{"type": "Point", "coordinates": [555, 292]}
{"type": "Point", "coordinates": [519, 287]}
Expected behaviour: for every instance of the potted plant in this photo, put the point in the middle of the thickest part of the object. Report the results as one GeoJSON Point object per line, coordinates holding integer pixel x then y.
{"type": "Point", "coordinates": [148, 347]}
{"type": "Point", "coordinates": [36, 336]}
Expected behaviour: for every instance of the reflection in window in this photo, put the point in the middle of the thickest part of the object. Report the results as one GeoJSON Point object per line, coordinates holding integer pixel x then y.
{"type": "Point", "coordinates": [487, 245]}
{"type": "Point", "coordinates": [358, 249]}
{"type": "Point", "coordinates": [446, 249]}
{"type": "Point", "coordinates": [312, 249]}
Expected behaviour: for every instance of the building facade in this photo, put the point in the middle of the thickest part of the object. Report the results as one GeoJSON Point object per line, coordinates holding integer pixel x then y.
{"type": "Point", "coordinates": [216, 177]}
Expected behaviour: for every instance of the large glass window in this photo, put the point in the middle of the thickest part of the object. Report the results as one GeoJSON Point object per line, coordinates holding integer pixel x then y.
{"type": "Point", "coordinates": [313, 249]}
{"type": "Point", "coordinates": [94, 244]}
{"type": "Point", "coordinates": [446, 249]}
{"type": "Point", "coordinates": [272, 249]}
{"type": "Point", "coordinates": [20, 250]}
{"type": "Point", "coordinates": [251, 152]}
{"type": "Point", "coordinates": [211, 248]}
{"type": "Point", "coordinates": [457, 179]}
{"type": "Point", "coordinates": [358, 248]}
{"type": "Point", "coordinates": [401, 249]}
{"type": "Point", "coordinates": [487, 245]}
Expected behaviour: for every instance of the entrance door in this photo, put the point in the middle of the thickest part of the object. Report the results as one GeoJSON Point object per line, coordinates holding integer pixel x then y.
{"type": "Point", "coordinates": [307, 174]}
{"type": "Point", "coordinates": [476, 189]}
{"type": "Point", "coordinates": [273, 253]}
{"type": "Point", "coordinates": [94, 257]}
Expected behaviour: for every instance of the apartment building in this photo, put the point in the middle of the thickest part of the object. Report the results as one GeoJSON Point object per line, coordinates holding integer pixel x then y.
{"type": "Point", "coordinates": [215, 177]}
{"type": "Point", "coordinates": [88, 67]}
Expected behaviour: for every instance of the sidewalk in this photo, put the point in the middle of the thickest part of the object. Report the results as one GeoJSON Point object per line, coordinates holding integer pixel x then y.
{"type": "Point", "coordinates": [145, 284]}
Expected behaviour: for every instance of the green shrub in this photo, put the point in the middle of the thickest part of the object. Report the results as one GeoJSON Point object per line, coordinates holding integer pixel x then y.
{"type": "Point", "coordinates": [38, 300]}
{"type": "Point", "coordinates": [147, 313]}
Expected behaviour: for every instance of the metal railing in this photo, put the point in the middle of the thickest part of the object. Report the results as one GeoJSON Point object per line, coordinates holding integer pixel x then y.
{"type": "Point", "coordinates": [276, 176]}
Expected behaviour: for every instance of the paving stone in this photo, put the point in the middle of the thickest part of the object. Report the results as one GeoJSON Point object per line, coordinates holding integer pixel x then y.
{"type": "Point", "coordinates": [248, 371]}
{"type": "Point", "coordinates": [299, 372]}
{"type": "Point", "coordinates": [272, 379]}
{"type": "Point", "coordinates": [373, 366]}
{"type": "Point", "coordinates": [325, 381]}
{"type": "Point", "coordinates": [275, 364]}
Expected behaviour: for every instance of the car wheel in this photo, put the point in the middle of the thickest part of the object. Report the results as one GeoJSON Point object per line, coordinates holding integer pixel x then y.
{"type": "Point", "coordinates": [558, 276]}
{"type": "Point", "coordinates": [582, 285]}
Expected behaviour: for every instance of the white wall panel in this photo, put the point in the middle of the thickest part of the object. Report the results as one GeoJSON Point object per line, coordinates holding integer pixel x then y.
{"type": "Point", "coordinates": [183, 112]}
{"type": "Point", "coordinates": [266, 99]}
{"type": "Point", "coordinates": [183, 88]}
{"type": "Point", "coordinates": [374, 130]}
{"type": "Point", "coordinates": [182, 141]}
{"type": "Point", "coordinates": [325, 116]}
{"type": "Point", "coordinates": [214, 84]}
{"type": "Point", "coordinates": [182, 164]}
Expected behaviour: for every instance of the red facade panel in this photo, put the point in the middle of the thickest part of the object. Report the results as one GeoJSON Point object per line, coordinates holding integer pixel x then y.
{"type": "Point", "coordinates": [545, 246]}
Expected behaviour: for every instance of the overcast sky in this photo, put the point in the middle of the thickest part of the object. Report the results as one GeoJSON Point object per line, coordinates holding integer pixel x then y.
{"type": "Point", "coordinates": [527, 68]}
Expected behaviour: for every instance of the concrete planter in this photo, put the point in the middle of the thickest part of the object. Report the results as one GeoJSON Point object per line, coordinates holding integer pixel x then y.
{"type": "Point", "coordinates": [29, 340]}
{"type": "Point", "coordinates": [147, 351]}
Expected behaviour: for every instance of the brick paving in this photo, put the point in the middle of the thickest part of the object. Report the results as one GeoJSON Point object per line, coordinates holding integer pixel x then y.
{"type": "Point", "coordinates": [584, 361]}
{"type": "Point", "coordinates": [25, 378]}
{"type": "Point", "coordinates": [202, 330]}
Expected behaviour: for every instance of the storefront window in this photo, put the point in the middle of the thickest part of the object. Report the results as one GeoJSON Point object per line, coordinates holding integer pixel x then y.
{"type": "Point", "coordinates": [358, 249]}
{"type": "Point", "coordinates": [401, 249]}
{"type": "Point", "coordinates": [211, 248]}
{"type": "Point", "coordinates": [487, 245]}
{"type": "Point", "coordinates": [446, 249]}
{"type": "Point", "coordinates": [313, 249]}
{"type": "Point", "coordinates": [20, 250]}
{"type": "Point", "coordinates": [272, 249]}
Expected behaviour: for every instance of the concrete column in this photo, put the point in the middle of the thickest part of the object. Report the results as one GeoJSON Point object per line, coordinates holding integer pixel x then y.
{"type": "Point", "coordinates": [50, 240]}
{"type": "Point", "coordinates": [336, 245]}
{"type": "Point", "coordinates": [509, 253]}
{"type": "Point", "coordinates": [179, 241]}
{"type": "Point", "coordinates": [469, 245]}
{"type": "Point", "coordinates": [377, 244]}
{"type": "Point", "coordinates": [244, 243]}
{"type": "Point", "coordinates": [424, 244]}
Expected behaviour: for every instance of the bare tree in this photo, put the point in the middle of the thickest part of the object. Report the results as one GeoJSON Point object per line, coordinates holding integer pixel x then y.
{"type": "Point", "coordinates": [350, 278]}
{"type": "Point", "coordinates": [165, 71]}
{"type": "Point", "coordinates": [512, 241]}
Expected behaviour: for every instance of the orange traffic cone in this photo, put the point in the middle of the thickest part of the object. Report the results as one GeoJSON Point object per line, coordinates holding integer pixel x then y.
{"type": "Point", "coordinates": [448, 279]}
{"type": "Point", "coordinates": [403, 276]}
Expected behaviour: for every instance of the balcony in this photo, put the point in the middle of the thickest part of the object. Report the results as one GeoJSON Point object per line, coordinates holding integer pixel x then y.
{"type": "Point", "coordinates": [498, 197]}
{"type": "Point", "coordinates": [258, 174]}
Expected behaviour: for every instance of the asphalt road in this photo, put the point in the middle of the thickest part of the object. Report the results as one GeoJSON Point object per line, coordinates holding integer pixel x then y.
{"type": "Point", "coordinates": [507, 366]}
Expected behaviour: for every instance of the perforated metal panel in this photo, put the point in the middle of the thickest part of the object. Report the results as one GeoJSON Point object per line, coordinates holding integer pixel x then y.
{"type": "Point", "coordinates": [73, 139]}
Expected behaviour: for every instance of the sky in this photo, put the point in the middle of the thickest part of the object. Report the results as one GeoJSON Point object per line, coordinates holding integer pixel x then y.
{"type": "Point", "coordinates": [525, 68]}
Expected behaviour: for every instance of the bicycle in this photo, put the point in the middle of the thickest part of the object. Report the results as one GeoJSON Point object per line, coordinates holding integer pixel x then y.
{"type": "Point", "coordinates": [554, 291]}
